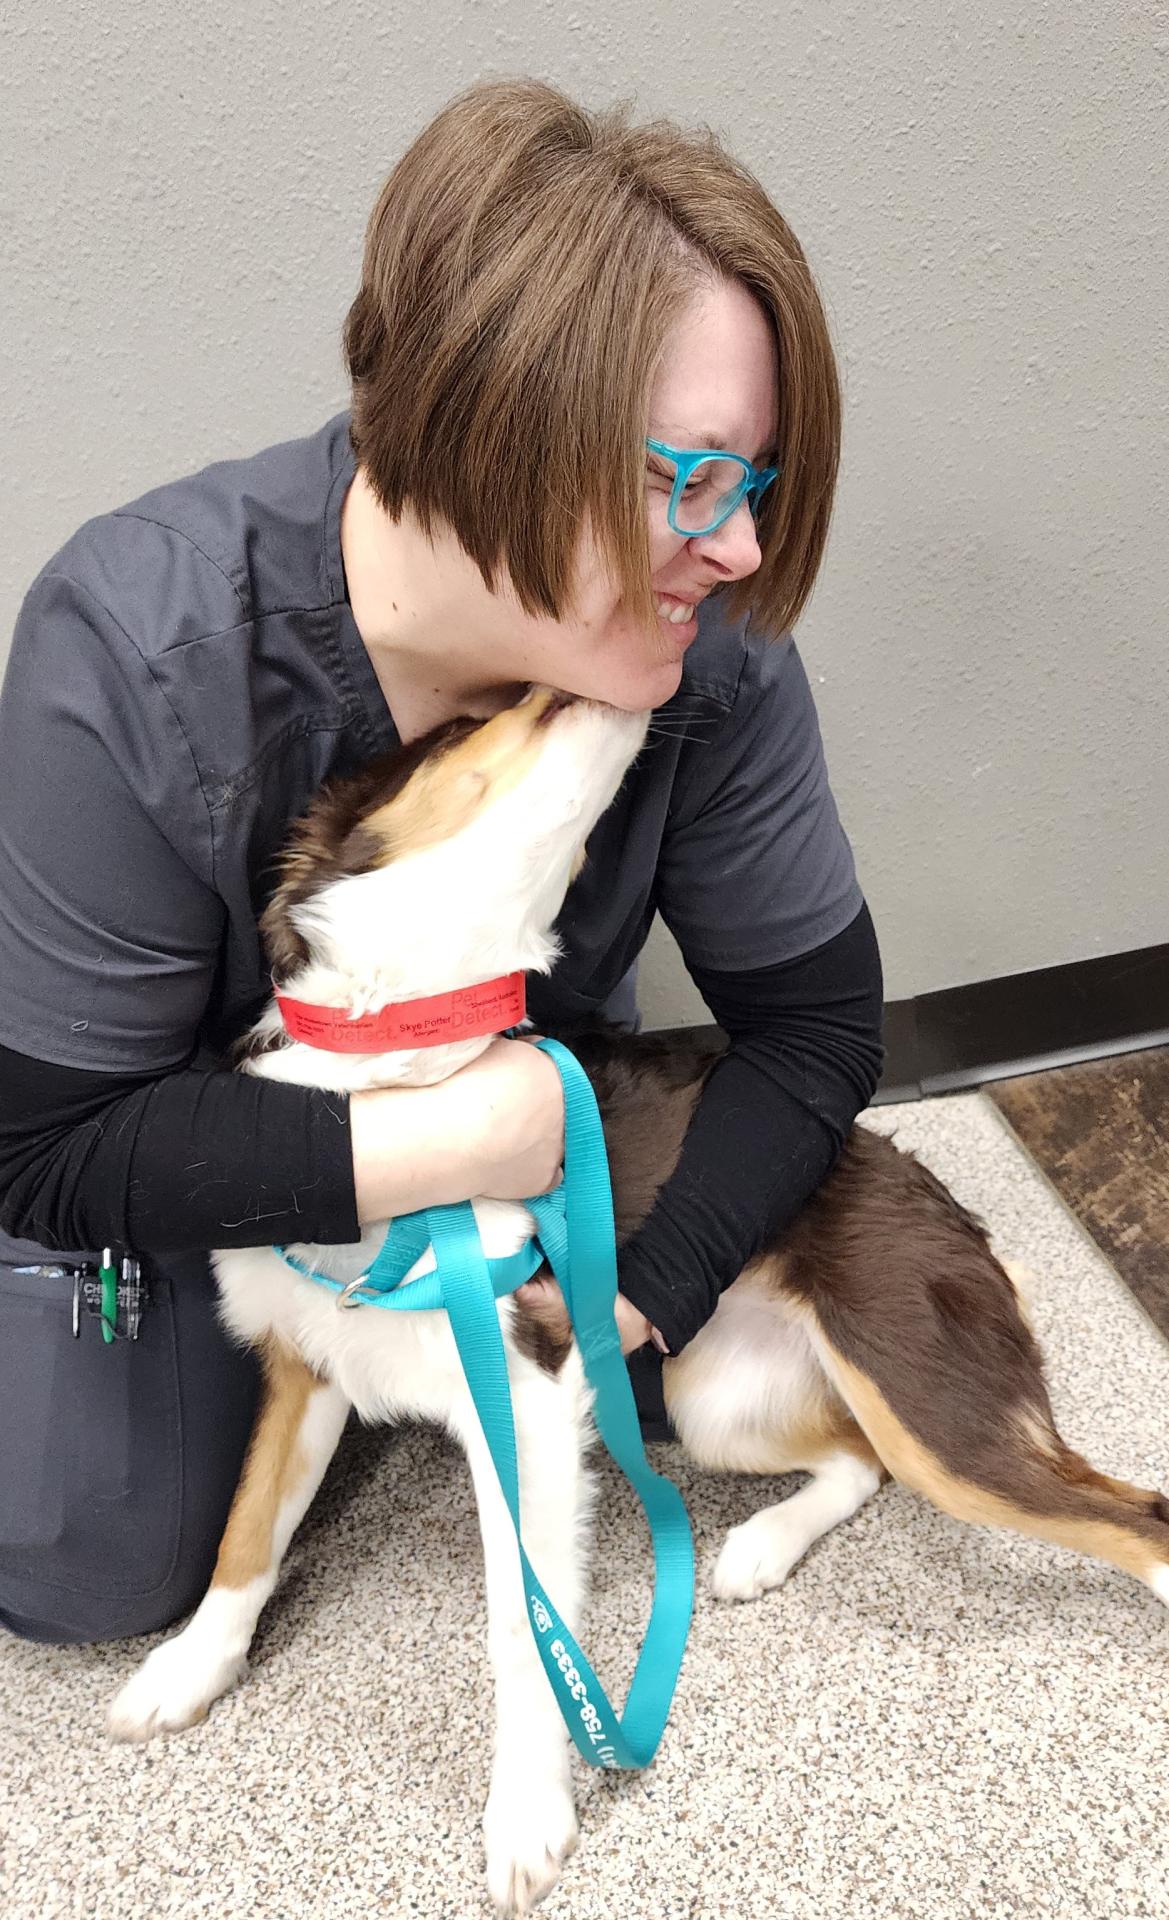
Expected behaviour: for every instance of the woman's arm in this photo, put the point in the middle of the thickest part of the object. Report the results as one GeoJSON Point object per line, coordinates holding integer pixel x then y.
{"type": "Point", "coordinates": [757, 883]}
{"type": "Point", "coordinates": [197, 1159]}
{"type": "Point", "coordinates": [110, 950]}
{"type": "Point", "coordinates": [805, 1058]}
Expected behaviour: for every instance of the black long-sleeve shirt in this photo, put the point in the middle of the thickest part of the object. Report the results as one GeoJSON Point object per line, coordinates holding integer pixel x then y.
{"type": "Point", "coordinates": [196, 1159]}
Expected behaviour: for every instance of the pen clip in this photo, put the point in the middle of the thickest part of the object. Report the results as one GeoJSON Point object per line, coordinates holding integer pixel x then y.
{"type": "Point", "coordinates": [107, 1273]}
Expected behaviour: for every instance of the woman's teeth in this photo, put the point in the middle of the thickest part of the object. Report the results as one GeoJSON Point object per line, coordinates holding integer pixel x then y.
{"type": "Point", "coordinates": [677, 613]}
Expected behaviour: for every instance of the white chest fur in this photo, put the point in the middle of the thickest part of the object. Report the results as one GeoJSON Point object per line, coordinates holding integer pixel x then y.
{"type": "Point", "coordinates": [390, 1364]}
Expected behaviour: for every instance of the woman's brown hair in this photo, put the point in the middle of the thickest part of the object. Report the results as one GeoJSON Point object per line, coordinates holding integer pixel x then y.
{"type": "Point", "coordinates": [524, 263]}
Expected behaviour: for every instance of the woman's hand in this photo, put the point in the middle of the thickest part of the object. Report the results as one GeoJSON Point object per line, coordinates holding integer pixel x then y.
{"type": "Point", "coordinates": [496, 1128]}
{"type": "Point", "coordinates": [507, 1110]}
{"type": "Point", "coordinates": [543, 1299]}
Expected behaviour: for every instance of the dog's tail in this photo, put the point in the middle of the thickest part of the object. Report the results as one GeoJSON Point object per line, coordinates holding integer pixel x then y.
{"type": "Point", "coordinates": [920, 1329]}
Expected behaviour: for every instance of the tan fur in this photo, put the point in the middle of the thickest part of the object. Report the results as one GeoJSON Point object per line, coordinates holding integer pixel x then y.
{"type": "Point", "coordinates": [400, 803]}
{"type": "Point", "coordinates": [272, 1468]}
{"type": "Point", "coordinates": [820, 1427]}
{"type": "Point", "coordinates": [446, 792]}
{"type": "Point", "coordinates": [1024, 1282]}
{"type": "Point", "coordinates": [1032, 1432]}
{"type": "Point", "coordinates": [824, 1427]}
{"type": "Point", "coordinates": [912, 1463]}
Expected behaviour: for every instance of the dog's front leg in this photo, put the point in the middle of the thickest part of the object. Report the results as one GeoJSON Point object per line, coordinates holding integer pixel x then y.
{"type": "Point", "coordinates": [529, 1824]}
{"type": "Point", "coordinates": [297, 1428]}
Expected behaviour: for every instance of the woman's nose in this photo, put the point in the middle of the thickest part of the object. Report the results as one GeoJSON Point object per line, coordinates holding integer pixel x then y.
{"type": "Point", "coordinates": [734, 545]}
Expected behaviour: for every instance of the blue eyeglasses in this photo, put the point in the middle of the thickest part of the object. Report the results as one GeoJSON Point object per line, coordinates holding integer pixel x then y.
{"type": "Point", "coordinates": [709, 485]}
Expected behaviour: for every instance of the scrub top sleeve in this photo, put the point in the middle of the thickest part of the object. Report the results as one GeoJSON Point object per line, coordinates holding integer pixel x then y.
{"type": "Point", "coordinates": [755, 866]}
{"type": "Point", "coordinates": [111, 928]}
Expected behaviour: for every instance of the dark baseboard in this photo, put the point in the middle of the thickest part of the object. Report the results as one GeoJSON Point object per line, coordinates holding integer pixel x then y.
{"type": "Point", "coordinates": [1025, 1022]}
{"type": "Point", "coordinates": [962, 1037]}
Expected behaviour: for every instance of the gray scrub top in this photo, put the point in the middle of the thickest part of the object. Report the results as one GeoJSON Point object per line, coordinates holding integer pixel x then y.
{"type": "Point", "coordinates": [184, 673]}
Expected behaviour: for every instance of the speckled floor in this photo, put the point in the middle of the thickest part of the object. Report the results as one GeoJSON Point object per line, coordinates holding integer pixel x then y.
{"type": "Point", "coordinates": [928, 1720]}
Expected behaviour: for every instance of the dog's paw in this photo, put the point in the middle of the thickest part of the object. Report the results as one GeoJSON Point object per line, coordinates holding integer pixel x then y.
{"type": "Point", "coordinates": [173, 1688]}
{"type": "Point", "coordinates": [755, 1557]}
{"type": "Point", "coordinates": [530, 1829]}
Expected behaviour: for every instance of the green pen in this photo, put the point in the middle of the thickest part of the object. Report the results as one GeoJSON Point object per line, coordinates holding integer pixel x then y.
{"type": "Point", "coordinates": [107, 1273]}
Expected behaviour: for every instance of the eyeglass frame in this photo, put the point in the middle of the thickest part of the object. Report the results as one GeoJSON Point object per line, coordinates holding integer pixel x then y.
{"type": "Point", "coordinates": [752, 488]}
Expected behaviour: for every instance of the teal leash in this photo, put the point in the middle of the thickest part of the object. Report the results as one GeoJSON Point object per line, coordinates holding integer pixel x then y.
{"type": "Point", "coordinates": [574, 1232]}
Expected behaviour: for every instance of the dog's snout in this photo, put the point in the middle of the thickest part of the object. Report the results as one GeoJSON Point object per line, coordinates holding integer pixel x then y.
{"type": "Point", "coordinates": [547, 702]}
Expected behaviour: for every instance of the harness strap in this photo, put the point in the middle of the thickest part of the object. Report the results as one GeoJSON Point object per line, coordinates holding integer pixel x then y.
{"type": "Point", "coordinates": [380, 1286]}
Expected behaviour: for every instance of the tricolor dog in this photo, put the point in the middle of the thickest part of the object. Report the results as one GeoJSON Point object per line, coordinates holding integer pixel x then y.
{"type": "Point", "coordinates": [878, 1335]}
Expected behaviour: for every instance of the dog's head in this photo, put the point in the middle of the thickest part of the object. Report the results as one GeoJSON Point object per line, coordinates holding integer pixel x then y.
{"type": "Point", "coordinates": [448, 861]}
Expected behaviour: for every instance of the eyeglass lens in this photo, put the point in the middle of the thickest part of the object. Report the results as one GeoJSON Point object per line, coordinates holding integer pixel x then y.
{"type": "Point", "coordinates": [712, 490]}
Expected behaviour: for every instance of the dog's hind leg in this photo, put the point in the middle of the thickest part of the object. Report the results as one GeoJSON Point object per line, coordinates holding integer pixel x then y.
{"type": "Point", "coordinates": [920, 1330]}
{"type": "Point", "coordinates": [297, 1428]}
{"type": "Point", "coordinates": [759, 1554]}
{"type": "Point", "coordinates": [529, 1824]}
{"type": "Point", "coordinates": [1021, 1475]}
{"type": "Point", "coordinates": [749, 1395]}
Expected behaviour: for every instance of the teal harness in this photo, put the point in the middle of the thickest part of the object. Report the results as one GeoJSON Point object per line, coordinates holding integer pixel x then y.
{"type": "Point", "coordinates": [575, 1235]}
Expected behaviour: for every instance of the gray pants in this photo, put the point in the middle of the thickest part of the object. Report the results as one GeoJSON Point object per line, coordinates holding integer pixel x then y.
{"type": "Point", "coordinates": [118, 1463]}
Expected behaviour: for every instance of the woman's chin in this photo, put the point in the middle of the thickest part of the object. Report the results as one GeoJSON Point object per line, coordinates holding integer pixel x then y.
{"type": "Point", "coordinates": [667, 678]}
{"type": "Point", "coordinates": [655, 686]}
{"type": "Point", "coordinates": [635, 670]}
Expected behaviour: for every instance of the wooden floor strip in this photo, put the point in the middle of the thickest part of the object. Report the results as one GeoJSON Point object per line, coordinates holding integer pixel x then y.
{"type": "Point", "coordinates": [1100, 1132]}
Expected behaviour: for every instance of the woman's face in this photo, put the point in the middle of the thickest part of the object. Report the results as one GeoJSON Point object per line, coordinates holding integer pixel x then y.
{"type": "Point", "coordinates": [439, 636]}
{"type": "Point", "coordinates": [719, 376]}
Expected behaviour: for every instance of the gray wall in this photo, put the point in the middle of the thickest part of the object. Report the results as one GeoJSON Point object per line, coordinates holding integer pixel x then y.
{"type": "Point", "coordinates": [985, 202]}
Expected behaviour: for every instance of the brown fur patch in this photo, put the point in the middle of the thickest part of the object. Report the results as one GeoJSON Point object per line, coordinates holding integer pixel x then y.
{"type": "Point", "coordinates": [540, 1339]}
{"type": "Point", "coordinates": [905, 1287]}
{"type": "Point", "coordinates": [272, 1467]}
{"type": "Point", "coordinates": [647, 1088]}
{"type": "Point", "coordinates": [922, 1331]}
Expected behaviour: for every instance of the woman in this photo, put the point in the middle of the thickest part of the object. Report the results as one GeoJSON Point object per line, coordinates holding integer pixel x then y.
{"type": "Point", "coordinates": [558, 313]}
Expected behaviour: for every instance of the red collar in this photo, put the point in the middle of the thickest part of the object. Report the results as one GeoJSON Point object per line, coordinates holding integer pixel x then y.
{"type": "Point", "coordinates": [488, 1007]}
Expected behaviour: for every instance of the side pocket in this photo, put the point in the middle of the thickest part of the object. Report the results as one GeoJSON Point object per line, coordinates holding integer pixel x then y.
{"type": "Point", "coordinates": [90, 1495]}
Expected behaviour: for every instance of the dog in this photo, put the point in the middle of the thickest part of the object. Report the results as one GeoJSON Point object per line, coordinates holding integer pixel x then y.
{"type": "Point", "coordinates": [877, 1335]}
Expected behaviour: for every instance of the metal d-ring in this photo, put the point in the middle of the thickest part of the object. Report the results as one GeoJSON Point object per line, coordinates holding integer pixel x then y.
{"type": "Point", "coordinates": [344, 1300]}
